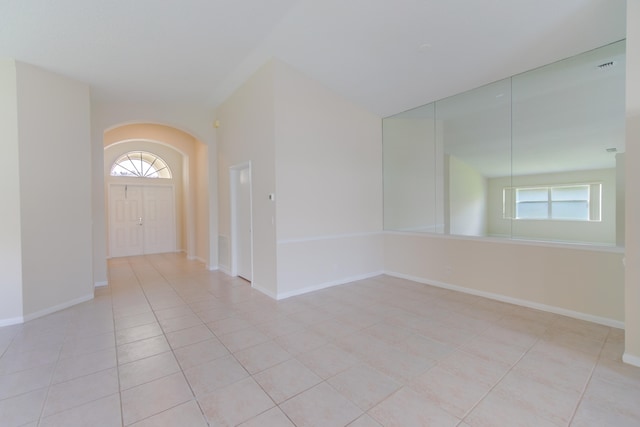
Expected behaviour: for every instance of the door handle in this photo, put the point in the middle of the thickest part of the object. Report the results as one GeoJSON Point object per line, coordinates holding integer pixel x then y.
{"type": "Point", "coordinates": [140, 221]}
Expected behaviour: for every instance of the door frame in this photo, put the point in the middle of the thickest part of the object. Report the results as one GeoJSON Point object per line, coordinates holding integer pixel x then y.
{"type": "Point", "coordinates": [109, 205]}
{"type": "Point", "coordinates": [234, 175]}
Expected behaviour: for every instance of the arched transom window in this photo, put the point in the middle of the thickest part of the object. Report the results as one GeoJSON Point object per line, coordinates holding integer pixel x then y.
{"type": "Point", "coordinates": [140, 164]}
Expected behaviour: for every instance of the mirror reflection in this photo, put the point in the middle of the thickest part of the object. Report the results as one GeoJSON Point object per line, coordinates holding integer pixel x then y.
{"type": "Point", "coordinates": [538, 156]}
{"type": "Point", "coordinates": [409, 153]}
{"type": "Point", "coordinates": [475, 128]}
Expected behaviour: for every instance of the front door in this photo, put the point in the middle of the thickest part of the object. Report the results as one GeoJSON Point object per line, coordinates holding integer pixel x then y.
{"type": "Point", "coordinates": [141, 220]}
{"type": "Point", "coordinates": [158, 220]}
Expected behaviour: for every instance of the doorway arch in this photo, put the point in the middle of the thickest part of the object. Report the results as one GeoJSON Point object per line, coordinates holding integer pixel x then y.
{"type": "Point", "coordinates": [190, 177]}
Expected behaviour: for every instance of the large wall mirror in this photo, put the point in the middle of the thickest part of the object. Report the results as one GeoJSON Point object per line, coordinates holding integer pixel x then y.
{"type": "Point", "coordinates": [538, 156]}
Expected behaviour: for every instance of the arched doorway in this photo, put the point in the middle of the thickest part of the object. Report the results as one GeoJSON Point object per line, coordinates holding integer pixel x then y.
{"type": "Point", "coordinates": [188, 182]}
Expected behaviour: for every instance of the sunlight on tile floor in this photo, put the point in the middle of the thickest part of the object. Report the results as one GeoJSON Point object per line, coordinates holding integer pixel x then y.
{"type": "Point", "coordinates": [169, 343]}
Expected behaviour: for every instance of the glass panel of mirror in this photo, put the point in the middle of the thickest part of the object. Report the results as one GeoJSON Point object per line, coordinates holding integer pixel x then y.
{"type": "Point", "coordinates": [464, 165]}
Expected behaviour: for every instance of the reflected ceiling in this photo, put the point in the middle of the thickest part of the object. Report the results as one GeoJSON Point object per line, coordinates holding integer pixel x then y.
{"type": "Point", "coordinates": [566, 116]}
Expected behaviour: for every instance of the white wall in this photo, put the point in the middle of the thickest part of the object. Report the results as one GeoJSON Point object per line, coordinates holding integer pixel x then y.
{"type": "Point", "coordinates": [632, 158]}
{"type": "Point", "coordinates": [55, 190]}
{"type": "Point", "coordinates": [196, 120]}
{"type": "Point", "coordinates": [10, 239]}
{"type": "Point", "coordinates": [321, 156]}
{"type": "Point", "coordinates": [247, 134]}
{"type": "Point", "coordinates": [329, 186]}
{"type": "Point", "coordinates": [600, 232]}
{"type": "Point", "coordinates": [467, 194]}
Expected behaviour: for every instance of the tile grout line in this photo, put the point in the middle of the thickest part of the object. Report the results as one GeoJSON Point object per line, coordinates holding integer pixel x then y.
{"type": "Point", "coordinates": [48, 387]}
{"type": "Point", "coordinates": [250, 375]}
{"type": "Point", "coordinates": [46, 400]}
{"type": "Point", "coordinates": [586, 384]}
{"type": "Point", "coordinates": [116, 344]}
{"type": "Point", "coordinates": [117, 359]}
{"type": "Point", "coordinates": [195, 398]}
{"type": "Point", "coordinates": [164, 334]}
{"type": "Point", "coordinates": [502, 377]}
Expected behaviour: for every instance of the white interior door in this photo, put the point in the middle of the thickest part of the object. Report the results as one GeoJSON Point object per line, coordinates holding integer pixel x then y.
{"type": "Point", "coordinates": [242, 240]}
{"type": "Point", "coordinates": [141, 220]}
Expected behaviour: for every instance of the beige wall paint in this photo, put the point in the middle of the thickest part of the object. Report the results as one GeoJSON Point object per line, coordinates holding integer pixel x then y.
{"type": "Point", "coordinates": [10, 239]}
{"type": "Point", "coordinates": [632, 157]}
{"type": "Point", "coordinates": [247, 134]}
{"type": "Point", "coordinates": [55, 190]}
{"type": "Point", "coordinates": [581, 282]}
{"type": "Point", "coordinates": [180, 140]}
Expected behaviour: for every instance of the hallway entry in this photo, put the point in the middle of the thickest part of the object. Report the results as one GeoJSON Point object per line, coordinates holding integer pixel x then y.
{"type": "Point", "coordinates": [141, 219]}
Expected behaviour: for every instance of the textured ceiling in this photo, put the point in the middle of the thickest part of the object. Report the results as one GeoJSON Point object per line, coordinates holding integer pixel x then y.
{"type": "Point", "coordinates": [386, 55]}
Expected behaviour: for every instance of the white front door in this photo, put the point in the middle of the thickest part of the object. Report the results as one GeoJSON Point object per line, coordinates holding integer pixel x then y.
{"type": "Point", "coordinates": [242, 238]}
{"type": "Point", "coordinates": [158, 220]}
{"type": "Point", "coordinates": [141, 220]}
{"type": "Point", "coordinates": [125, 213]}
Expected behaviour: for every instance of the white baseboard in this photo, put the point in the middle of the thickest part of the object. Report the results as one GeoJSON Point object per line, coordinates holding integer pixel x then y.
{"type": "Point", "coordinates": [202, 260]}
{"type": "Point", "coordinates": [226, 270]}
{"type": "Point", "coordinates": [11, 321]}
{"type": "Point", "coordinates": [213, 268]}
{"type": "Point", "coordinates": [264, 291]}
{"type": "Point", "coordinates": [58, 307]}
{"type": "Point", "coordinates": [100, 284]}
{"type": "Point", "coordinates": [325, 285]}
{"type": "Point", "coordinates": [631, 359]}
{"type": "Point", "coordinates": [530, 304]}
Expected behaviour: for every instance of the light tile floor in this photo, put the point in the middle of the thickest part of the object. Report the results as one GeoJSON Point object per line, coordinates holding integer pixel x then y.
{"type": "Point", "coordinates": [169, 343]}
